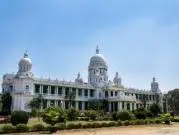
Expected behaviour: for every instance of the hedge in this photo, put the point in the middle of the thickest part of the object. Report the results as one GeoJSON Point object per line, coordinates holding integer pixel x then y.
{"type": "Point", "coordinates": [61, 126]}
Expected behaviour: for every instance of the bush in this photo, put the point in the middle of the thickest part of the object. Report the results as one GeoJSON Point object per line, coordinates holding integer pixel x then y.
{"type": "Point", "coordinates": [126, 123]}
{"type": "Point", "coordinates": [87, 125]}
{"type": "Point", "coordinates": [19, 117]}
{"type": "Point", "coordinates": [54, 115]}
{"type": "Point", "coordinates": [60, 126]}
{"type": "Point", "coordinates": [37, 127]}
{"type": "Point", "coordinates": [22, 128]}
{"type": "Point", "coordinates": [140, 113]}
{"type": "Point", "coordinates": [119, 123]}
{"type": "Point", "coordinates": [158, 121]}
{"type": "Point", "coordinates": [111, 124]}
{"type": "Point", "coordinates": [33, 113]}
{"type": "Point", "coordinates": [8, 129]}
{"type": "Point", "coordinates": [72, 114]}
{"type": "Point", "coordinates": [125, 115]}
{"type": "Point", "coordinates": [150, 121]}
{"type": "Point", "coordinates": [115, 116]}
{"type": "Point", "coordinates": [155, 109]}
{"type": "Point", "coordinates": [91, 114]}
{"type": "Point", "coordinates": [149, 114]}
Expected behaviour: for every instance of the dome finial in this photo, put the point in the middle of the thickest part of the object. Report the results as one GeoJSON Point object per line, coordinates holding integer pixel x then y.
{"type": "Point", "coordinates": [154, 79]}
{"type": "Point", "coordinates": [25, 54]}
{"type": "Point", "coordinates": [97, 50]}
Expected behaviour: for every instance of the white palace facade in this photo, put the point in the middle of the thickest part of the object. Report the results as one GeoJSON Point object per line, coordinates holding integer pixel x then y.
{"type": "Point", "coordinates": [24, 86]}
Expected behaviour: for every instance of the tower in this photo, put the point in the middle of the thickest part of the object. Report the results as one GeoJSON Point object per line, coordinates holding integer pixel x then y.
{"type": "Point", "coordinates": [98, 70]}
{"type": "Point", "coordinates": [117, 80]}
{"type": "Point", "coordinates": [154, 85]}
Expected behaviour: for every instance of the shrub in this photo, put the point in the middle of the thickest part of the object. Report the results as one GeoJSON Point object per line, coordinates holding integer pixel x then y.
{"type": "Point", "coordinates": [91, 114]}
{"type": "Point", "coordinates": [115, 116]}
{"type": "Point", "coordinates": [149, 114]}
{"type": "Point", "coordinates": [60, 126]}
{"type": "Point", "coordinates": [155, 109]}
{"type": "Point", "coordinates": [8, 129]}
{"type": "Point", "coordinates": [54, 115]}
{"type": "Point", "coordinates": [158, 121]}
{"type": "Point", "coordinates": [140, 115]}
{"type": "Point", "coordinates": [104, 124]}
{"type": "Point", "coordinates": [126, 123]}
{"type": "Point", "coordinates": [22, 128]}
{"type": "Point", "coordinates": [95, 125]}
{"type": "Point", "coordinates": [166, 118]}
{"type": "Point", "coordinates": [119, 123]}
{"type": "Point", "coordinates": [151, 121]}
{"type": "Point", "coordinates": [37, 127]}
{"type": "Point", "coordinates": [33, 113]}
{"type": "Point", "coordinates": [125, 115]}
{"type": "Point", "coordinates": [111, 124]}
{"type": "Point", "coordinates": [74, 126]}
{"type": "Point", "coordinates": [138, 122]}
{"type": "Point", "coordinates": [87, 125]}
{"type": "Point", "coordinates": [72, 114]}
{"type": "Point", "coordinates": [19, 117]}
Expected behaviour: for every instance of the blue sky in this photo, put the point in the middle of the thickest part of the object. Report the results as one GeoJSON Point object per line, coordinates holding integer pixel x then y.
{"type": "Point", "coordinates": [140, 39]}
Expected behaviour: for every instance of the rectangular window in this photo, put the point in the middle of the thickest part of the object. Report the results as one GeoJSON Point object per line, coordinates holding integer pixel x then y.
{"type": "Point", "coordinates": [106, 94]}
{"type": "Point", "coordinates": [45, 89]}
{"type": "Point", "coordinates": [59, 90]}
{"type": "Point", "coordinates": [86, 105]}
{"type": "Point", "coordinates": [86, 93]}
{"type": "Point", "coordinates": [67, 91]}
{"type": "Point", "coordinates": [80, 105]}
{"type": "Point", "coordinates": [52, 89]}
{"type": "Point", "coordinates": [115, 93]}
{"type": "Point", "coordinates": [74, 91]}
{"type": "Point", "coordinates": [91, 93]}
{"type": "Point", "coordinates": [37, 88]}
{"type": "Point", "coordinates": [80, 92]}
{"type": "Point", "coordinates": [111, 93]}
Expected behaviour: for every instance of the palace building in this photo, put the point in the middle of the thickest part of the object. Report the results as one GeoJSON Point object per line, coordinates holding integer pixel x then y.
{"type": "Point", "coordinates": [24, 86]}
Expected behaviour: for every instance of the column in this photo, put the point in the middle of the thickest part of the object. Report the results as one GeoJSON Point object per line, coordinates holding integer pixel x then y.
{"type": "Point", "coordinates": [130, 106]}
{"type": "Point", "coordinates": [135, 107]}
{"type": "Point", "coordinates": [83, 105]}
{"type": "Point", "coordinates": [56, 90]}
{"type": "Point", "coordinates": [76, 105]}
{"type": "Point", "coordinates": [63, 91]}
{"type": "Point", "coordinates": [41, 92]}
{"type": "Point", "coordinates": [109, 106]}
{"type": "Point", "coordinates": [48, 103]}
{"type": "Point", "coordinates": [125, 105]}
{"type": "Point", "coordinates": [48, 90]}
{"type": "Point", "coordinates": [118, 106]}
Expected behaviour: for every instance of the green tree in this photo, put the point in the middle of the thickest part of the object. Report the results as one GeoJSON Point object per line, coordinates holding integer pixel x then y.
{"type": "Point", "coordinates": [173, 100]}
{"type": "Point", "coordinates": [6, 101]}
{"type": "Point", "coordinates": [36, 104]}
{"type": "Point", "coordinates": [155, 109]}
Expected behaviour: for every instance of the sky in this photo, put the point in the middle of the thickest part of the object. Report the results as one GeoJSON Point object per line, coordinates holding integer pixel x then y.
{"type": "Point", "coordinates": [139, 39]}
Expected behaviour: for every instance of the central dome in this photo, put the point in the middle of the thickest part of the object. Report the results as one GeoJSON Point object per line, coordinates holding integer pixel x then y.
{"type": "Point", "coordinates": [25, 64]}
{"type": "Point", "coordinates": [98, 60]}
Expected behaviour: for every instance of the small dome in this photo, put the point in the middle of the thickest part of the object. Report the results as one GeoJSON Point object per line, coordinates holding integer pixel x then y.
{"type": "Point", "coordinates": [98, 60]}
